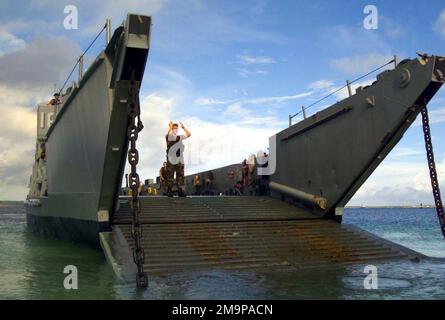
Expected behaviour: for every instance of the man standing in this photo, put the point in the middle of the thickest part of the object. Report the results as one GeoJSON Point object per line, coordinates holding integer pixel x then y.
{"type": "Point", "coordinates": [163, 178]}
{"type": "Point", "coordinates": [55, 100]}
{"type": "Point", "coordinates": [175, 157]}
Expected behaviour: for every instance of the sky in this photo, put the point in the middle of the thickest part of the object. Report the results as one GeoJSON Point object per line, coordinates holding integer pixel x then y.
{"type": "Point", "coordinates": [231, 71]}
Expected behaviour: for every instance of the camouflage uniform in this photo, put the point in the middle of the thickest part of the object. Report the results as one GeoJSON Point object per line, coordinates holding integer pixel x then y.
{"type": "Point", "coordinates": [175, 141]}
{"type": "Point", "coordinates": [171, 170]}
{"type": "Point", "coordinates": [163, 179]}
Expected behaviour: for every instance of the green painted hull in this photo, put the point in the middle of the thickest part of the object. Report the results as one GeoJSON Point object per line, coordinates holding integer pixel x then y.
{"type": "Point", "coordinates": [86, 146]}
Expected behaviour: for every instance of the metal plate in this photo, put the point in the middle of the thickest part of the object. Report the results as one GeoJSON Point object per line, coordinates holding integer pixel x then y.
{"type": "Point", "coordinates": [205, 209]}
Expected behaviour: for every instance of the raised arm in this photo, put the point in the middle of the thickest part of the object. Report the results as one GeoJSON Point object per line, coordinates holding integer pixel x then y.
{"type": "Point", "coordinates": [170, 127]}
{"type": "Point", "coordinates": [185, 130]}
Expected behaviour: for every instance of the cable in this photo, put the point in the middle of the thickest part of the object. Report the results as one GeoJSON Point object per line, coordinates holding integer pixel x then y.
{"type": "Point", "coordinates": [77, 63]}
{"type": "Point", "coordinates": [334, 92]}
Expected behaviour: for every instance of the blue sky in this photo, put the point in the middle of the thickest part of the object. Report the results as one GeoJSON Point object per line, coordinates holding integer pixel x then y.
{"type": "Point", "coordinates": [230, 70]}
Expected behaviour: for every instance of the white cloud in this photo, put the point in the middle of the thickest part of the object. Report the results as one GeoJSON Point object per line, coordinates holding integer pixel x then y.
{"type": "Point", "coordinates": [42, 63]}
{"type": "Point", "coordinates": [406, 152]}
{"type": "Point", "coordinates": [361, 64]}
{"type": "Point", "coordinates": [354, 38]}
{"type": "Point", "coordinates": [399, 183]}
{"type": "Point", "coordinates": [321, 84]}
{"type": "Point", "coordinates": [276, 99]}
{"type": "Point", "coordinates": [27, 77]}
{"type": "Point", "coordinates": [10, 43]}
{"type": "Point", "coordinates": [211, 145]}
{"type": "Point", "coordinates": [47, 18]}
{"type": "Point", "coordinates": [236, 110]}
{"type": "Point", "coordinates": [247, 59]}
{"type": "Point", "coordinates": [439, 25]}
{"type": "Point", "coordinates": [236, 107]}
{"type": "Point", "coordinates": [436, 116]}
{"type": "Point", "coordinates": [391, 28]}
{"type": "Point", "coordinates": [245, 73]}
{"type": "Point", "coordinates": [212, 102]}
{"type": "Point", "coordinates": [17, 141]}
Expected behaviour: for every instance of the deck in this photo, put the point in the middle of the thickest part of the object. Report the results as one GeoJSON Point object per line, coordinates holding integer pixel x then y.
{"type": "Point", "coordinates": [239, 233]}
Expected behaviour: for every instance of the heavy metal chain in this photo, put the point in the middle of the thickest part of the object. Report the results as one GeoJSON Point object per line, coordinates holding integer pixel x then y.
{"type": "Point", "coordinates": [432, 168]}
{"type": "Point", "coordinates": [134, 128]}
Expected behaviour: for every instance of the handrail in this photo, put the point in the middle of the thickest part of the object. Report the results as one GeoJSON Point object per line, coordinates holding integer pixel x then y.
{"type": "Point", "coordinates": [339, 89]}
{"type": "Point", "coordinates": [80, 59]}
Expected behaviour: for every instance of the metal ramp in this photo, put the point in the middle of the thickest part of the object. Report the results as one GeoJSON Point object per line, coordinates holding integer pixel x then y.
{"type": "Point", "coordinates": [157, 210]}
{"type": "Point", "coordinates": [239, 232]}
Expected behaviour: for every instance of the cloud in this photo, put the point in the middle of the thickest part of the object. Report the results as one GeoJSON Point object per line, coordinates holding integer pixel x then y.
{"type": "Point", "coordinates": [436, 116]}
{"type": "Point", "coordinates": [399, 183]}
{"type": "Point", "coordinates": [98, 11]}
{"type": "Point", "coordinates": [27, 78]}
{"type": "Point", "coordinates": [235, 107]}
{"type": "Point", "coordinates": [17, 141]}
{"type": "Point", "coordinates": [92, 15]}
{"type": "Point", "coordinates": [321, 84]}
{"type": "Point", "coordinates": [439, 25]}
{"type": "Point", "coordinates": [239, 113]}
{"type": "Point", "coordinates": [247, 59]}
{"type": "Point", "coordinates": [216, 141]}
{"type": "Point", "coordinates": [212, 102]}
{"type": "Point", "coordinates": [391, 28]}
{"type": "Point", "coordinates": [344, 39]}
{"type": "Point", "coordinates": [211, 145]}
{"type": "Point", "coordinates": [33, 26]}
{"type": "Point", "coordinates": [10, 43]}
{"type": "Point", "coordinates": [236, 110]}
{"type": "Point", "coordinates": [42, 63]}
{"type": "Point", "coordinates": [361, 64]}
{"type": "Point", "coordinates": [406, 152]}
{"type": "Point", "coordinates": [275, 99]}
{"type": "Point", "coordinates": [245, 73]}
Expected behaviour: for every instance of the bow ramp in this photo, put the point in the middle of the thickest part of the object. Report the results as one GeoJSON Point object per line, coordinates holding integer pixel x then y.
{"type": "Point", "coordinates": [235, 233]}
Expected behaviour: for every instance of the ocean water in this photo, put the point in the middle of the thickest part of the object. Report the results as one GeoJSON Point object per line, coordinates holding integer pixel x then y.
{"type": "Point", "coordinates": [32, 267]}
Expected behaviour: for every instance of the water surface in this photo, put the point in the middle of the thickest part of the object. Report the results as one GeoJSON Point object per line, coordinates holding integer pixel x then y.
{"type": "Point", "coordinates": [32, 267]}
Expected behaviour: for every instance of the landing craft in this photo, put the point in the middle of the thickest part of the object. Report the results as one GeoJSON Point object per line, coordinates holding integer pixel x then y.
{"type": "Point", "coordinates": [288, 219]}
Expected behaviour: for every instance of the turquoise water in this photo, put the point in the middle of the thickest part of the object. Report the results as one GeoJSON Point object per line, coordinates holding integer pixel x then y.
{"type": "Point", "coordinates": [32, 268]}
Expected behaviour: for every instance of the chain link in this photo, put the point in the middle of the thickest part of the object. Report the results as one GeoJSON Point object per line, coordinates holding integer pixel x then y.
{"type": "Point", "coordinates": [134, 128]}
{"type": "Point", "coordinates": [432, 167]}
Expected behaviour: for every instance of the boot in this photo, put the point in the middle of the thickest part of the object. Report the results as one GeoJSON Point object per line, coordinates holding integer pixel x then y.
{"type": "Point", "coordinates": [169, 193]}
{"type": "Point", "coordinates": [181, 193]}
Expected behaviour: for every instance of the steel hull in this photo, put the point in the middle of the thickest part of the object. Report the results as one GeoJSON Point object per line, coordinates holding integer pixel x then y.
{"type": "Point", "coordinates": [86, 146]}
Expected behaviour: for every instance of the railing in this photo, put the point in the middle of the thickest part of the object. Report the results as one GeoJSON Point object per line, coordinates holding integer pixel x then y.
{"type": "Point", "coordinates": [347, 85]}
{"type": "Point", "coordinates": [80, 61]}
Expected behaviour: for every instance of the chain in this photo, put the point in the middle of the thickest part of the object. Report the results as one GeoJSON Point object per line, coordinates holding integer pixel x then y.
{"type": "Point", "coordinates": [432, 168]}
{"type": "Point", "coordinates": [134, 112]}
